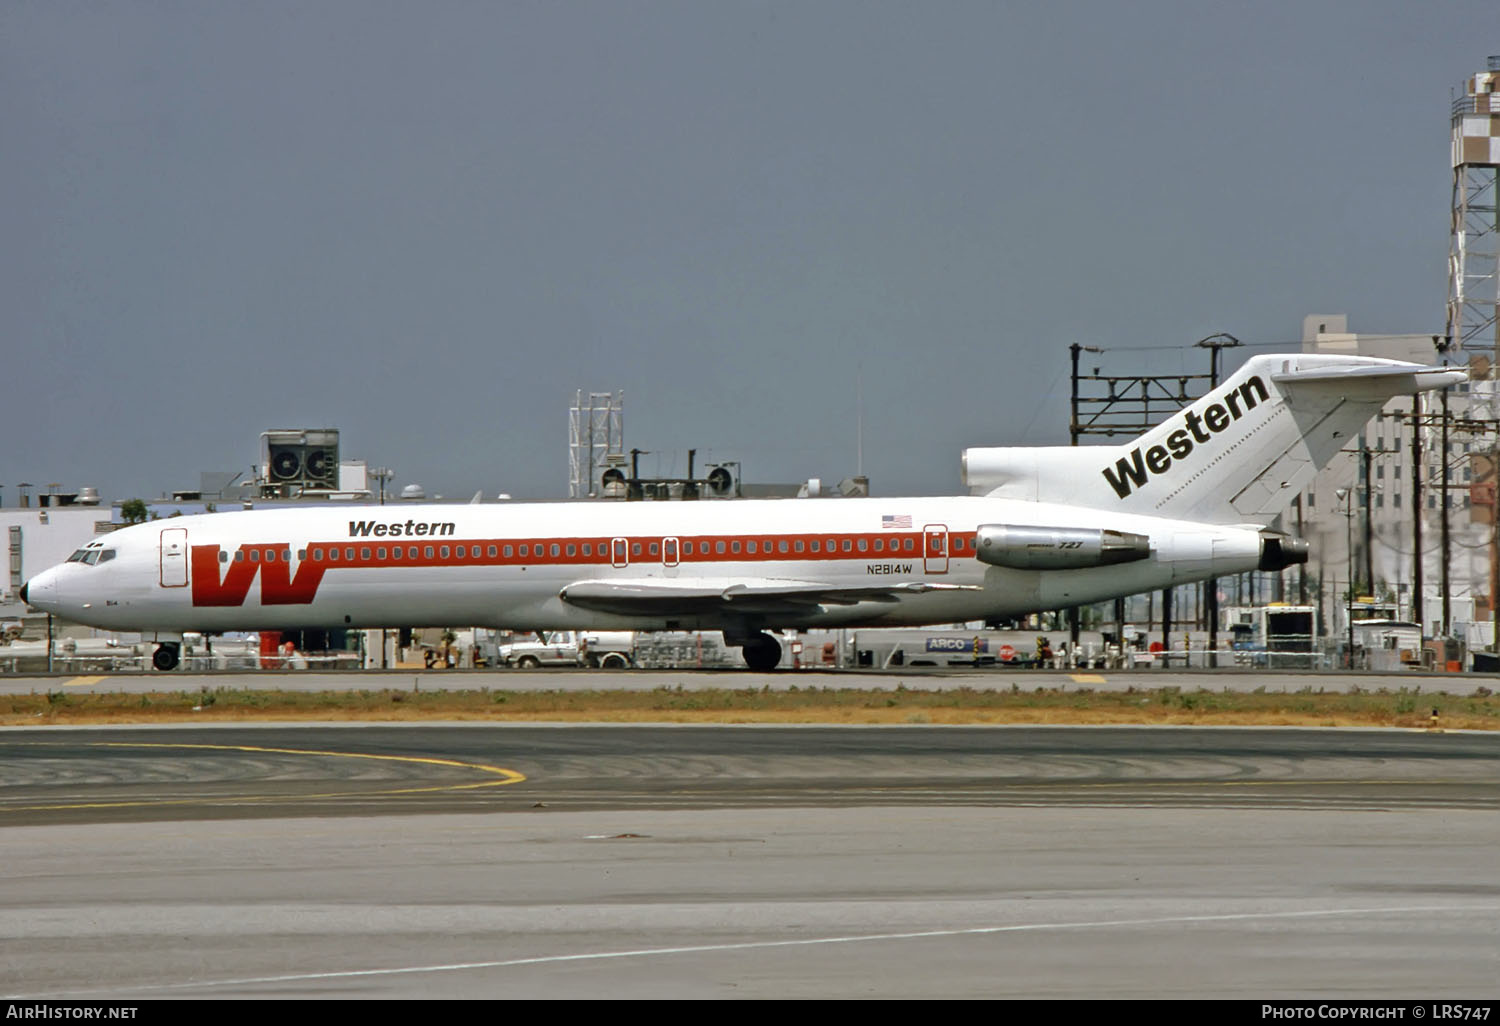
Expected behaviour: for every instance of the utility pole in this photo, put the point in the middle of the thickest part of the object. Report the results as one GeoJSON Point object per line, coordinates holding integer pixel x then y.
{"type": "Point", "coordinates": [1214, 343]}
{"type": "Point", "coordinates": [1074, 626]}
{"type": "Point", "coordinates": [1443, 343]}
{"type": "Point", "coordinates": [1301, 570]}
{"type": "Point", "coordinates": [1365, 459]}
{"type": "Point", "coordinates": [1416, 500]}
{"type": "Point", "coordinates": [1347, 498]}
{"type": "Point", "coordinates": [1494, 554]}
{"type": "Point", "coordinates": [1447, 542]}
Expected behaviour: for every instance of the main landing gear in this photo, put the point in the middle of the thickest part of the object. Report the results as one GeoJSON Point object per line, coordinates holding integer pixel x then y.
{"type": "Point", "coordinates": [166, 655]}
{"type": "Point", "coordinates": [762, 652]}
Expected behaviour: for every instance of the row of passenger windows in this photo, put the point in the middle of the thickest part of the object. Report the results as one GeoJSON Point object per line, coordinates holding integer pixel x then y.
{"type": "Point", "coordinates": [539, 550]}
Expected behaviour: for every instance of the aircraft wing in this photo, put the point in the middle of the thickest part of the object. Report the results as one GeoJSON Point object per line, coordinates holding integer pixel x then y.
{"type": "Point", "coordinates": [688, 595]}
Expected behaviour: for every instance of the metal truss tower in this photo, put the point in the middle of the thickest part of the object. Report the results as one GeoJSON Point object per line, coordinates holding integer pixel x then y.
{"type": "Point", "coordinates": [1474, 277]}
{"type": "Point", "coordinates": [1474, 248]}
{"type": "Point", "coordinates": [596, 442]}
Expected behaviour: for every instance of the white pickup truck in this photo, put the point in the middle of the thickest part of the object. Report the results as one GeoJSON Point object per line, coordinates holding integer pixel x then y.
{"type": "Point", "coordinates": [612, 650]}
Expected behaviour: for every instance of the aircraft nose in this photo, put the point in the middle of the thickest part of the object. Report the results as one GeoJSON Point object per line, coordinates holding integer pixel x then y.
{"type": "Point", "coordinates": [40, 592]}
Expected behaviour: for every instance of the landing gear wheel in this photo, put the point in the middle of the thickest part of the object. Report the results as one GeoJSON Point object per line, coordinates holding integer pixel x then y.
{"type": "Point", "coordinates": [165, 657]}
{"type": "Point", "coordinates": [762, 653]}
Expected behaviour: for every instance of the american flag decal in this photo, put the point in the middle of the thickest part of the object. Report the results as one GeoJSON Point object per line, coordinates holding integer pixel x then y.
{"type": "Point", "coordinates": [895, 521]}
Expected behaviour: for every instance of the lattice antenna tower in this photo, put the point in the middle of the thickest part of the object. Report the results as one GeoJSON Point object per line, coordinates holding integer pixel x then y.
{"type": "Point", "coordinates": [596, 441]}
{"type": "Point", "coordinates": [1474, 247]}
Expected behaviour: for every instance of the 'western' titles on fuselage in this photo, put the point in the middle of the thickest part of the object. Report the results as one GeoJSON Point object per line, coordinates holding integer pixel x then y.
{"type": "Point", "coordinates": [1131, 473]}
{"type": "Point", "coordinates": [410, 529]}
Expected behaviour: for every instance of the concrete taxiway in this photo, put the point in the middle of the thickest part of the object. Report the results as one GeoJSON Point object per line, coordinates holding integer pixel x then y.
{"type": "Point", "coordinates": [646, 680]}
{"type": "Point", "coordinates": [527, 861]}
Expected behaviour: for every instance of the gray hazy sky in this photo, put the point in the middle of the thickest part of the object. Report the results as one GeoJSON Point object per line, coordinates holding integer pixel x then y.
{"type": "Point", "coordinates": [428, 224]}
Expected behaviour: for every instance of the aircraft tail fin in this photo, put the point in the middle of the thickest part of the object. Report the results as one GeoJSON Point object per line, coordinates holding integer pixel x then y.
{"type": "Point", "coordinates": [1238, 455]}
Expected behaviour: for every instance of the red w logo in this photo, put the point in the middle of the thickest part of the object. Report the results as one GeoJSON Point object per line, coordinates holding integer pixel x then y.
{"type": "Point", "coordinates": [277, 585]}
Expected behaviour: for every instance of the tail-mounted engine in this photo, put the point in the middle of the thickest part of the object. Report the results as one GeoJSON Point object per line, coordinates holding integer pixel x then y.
{"type": "Point", "coordinates": [1057, 548]}
{"type": "Point", "coordinates": [1279, 551]}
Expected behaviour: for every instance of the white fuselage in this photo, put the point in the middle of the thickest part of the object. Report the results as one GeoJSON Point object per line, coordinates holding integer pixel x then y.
{"type": "Point", "coordinates": [507, 565]}
{"type": "Point", "coordinates": [1056, 528]}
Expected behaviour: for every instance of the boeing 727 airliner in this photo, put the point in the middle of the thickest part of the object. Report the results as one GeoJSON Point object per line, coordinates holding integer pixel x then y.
{"type": "Point", "coordinates": [1045, 528]}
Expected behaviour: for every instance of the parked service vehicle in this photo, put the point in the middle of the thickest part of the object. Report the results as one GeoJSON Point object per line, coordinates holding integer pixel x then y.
{"type": "Point", "coordinates": [612, 650]}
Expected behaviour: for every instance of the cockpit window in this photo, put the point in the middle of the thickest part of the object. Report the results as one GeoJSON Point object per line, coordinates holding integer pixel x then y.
{"type": "Point", "coordinates": [91, 554]}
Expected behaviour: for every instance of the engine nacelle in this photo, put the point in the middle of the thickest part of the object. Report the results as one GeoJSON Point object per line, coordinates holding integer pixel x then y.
{"type": "Point", "coordinates": [1057, 548]}
{"type": "Point", "coordinates": [1279, 551]}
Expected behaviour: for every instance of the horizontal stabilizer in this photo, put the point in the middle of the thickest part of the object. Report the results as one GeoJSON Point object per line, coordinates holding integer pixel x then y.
{"type": "Point", "coordinates": [1423, 378]}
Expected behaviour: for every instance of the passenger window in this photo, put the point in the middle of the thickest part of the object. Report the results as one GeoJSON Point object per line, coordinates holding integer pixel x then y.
{"type": "Point", "coordinates": [427, 551]}
{"type": "Point", "coordinates": [364, 553]}
{"type": "Point", "coordinates": [797, 545]}
{"type": "Point", "coordinates": [554, 548]}
{"type": "Point", "coordinates": [223, 556]}
{"type": "Point", "coordinates": [572, 550]}
{"type": "Point", "coordinates": [781, 546]}
{"type": "Point", "coordinates": [734, 546]}
{"type": "Point", "coordinates": [380, 553]}
{"type": "Point", "coordinates": [750, 547]}
{"type": "Point", "coordinates": [719, 547]}
{"type": "Point", "coordinates": [349, 553]}
{"type": "Point", "coordinates": [635, 550]}
{"type": "Point", "coordinates": [509, 551]}
{"type": "Point", "coordinates": [301, 555]}
{"type": "Point", "coordinates": [863, 544]}
{"type": "Point", "coordinates": [492, 552]}
{"type": "Point", "coordinates": [255, 555]}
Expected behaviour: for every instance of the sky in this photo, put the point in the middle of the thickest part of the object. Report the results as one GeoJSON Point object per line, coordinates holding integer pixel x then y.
{"type": "Point", "coordinates": [789, 232]}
